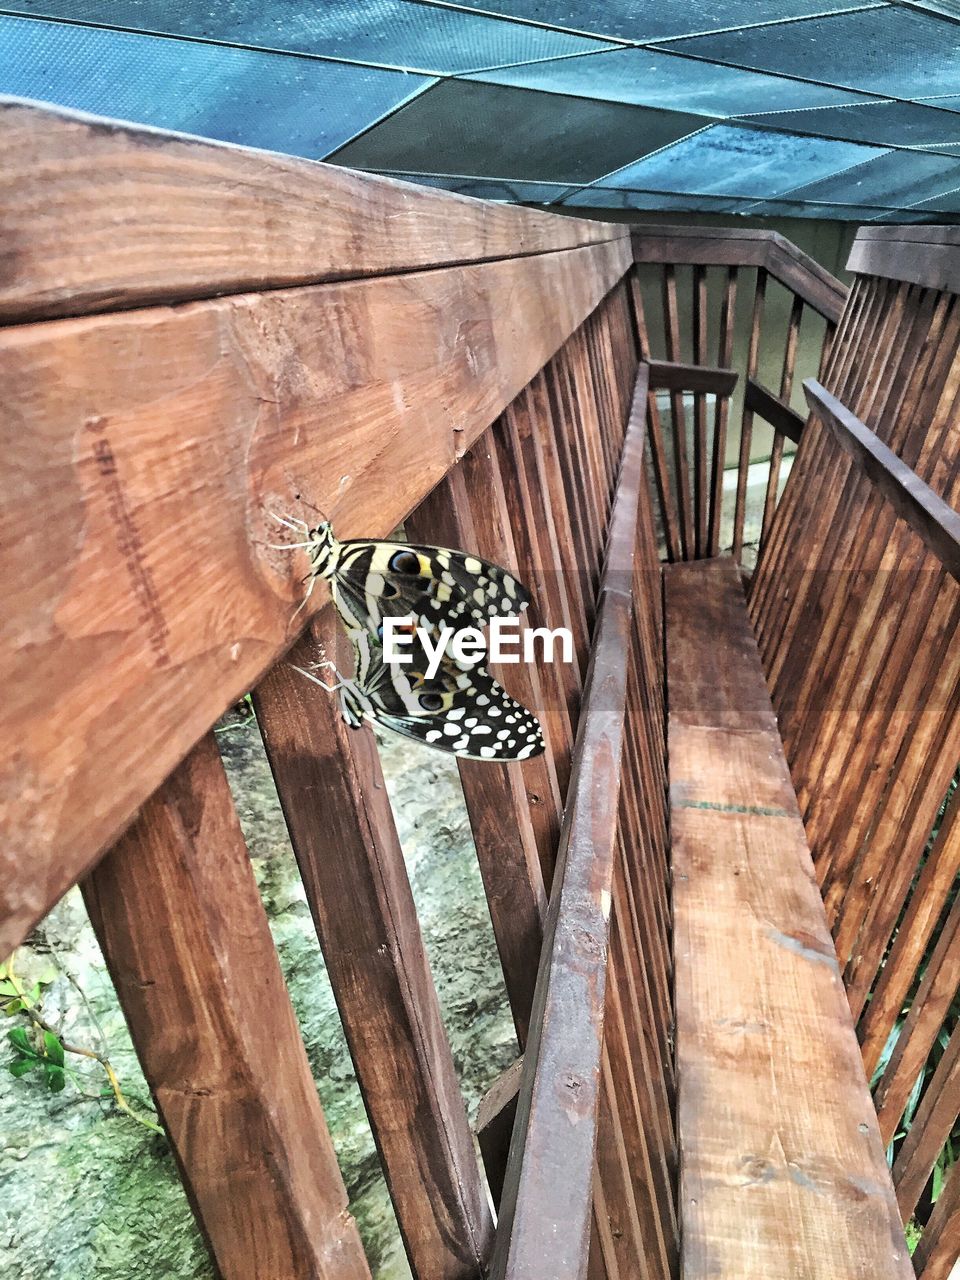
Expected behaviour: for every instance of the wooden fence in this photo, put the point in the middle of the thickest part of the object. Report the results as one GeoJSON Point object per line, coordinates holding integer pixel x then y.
{"type": "Point", "coordinates": [206, 338]}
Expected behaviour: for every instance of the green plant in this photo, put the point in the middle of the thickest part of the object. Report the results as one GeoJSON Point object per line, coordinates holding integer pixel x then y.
{"type": "Point", "coordinates": [39, 1047]}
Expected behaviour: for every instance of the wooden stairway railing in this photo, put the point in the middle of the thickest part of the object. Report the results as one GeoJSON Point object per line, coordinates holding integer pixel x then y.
{"type": "Point", "coordinates": [206, 338]}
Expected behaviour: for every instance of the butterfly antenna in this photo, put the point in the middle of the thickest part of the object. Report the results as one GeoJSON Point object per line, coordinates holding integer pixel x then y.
{"type": "Point", "coordinates": [330, 688]}
{"type": "Point", "coordinates": [290, 522]}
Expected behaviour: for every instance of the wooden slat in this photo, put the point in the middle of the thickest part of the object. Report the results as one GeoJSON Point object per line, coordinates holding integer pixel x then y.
{"type": "Point", "coordinates": [939, 1247]}
{"type": "Point", "coordinates": [658, 453]}
{"type": "Point", "coordinates": [170, 218]}
{"type": "Point", "coordinates": [700, 499]}
{"type": "Point", "coordinates": [692, 377]}
{"type": "Point", "coordinates": [678, 416]}
{"type": "Point", "coordinates": [544, 1224]}
{"type": "Point", "coordinates": [496, 1114]}
{"type": "Point", "coordinates": [185, 936]}
{"type": "Point", "coordinates": [155, 442]}
{"type": "Point", "coordinates": [783, 1172]}
{"type": "Point", "coordinates": [914, 501]}
{"type": "Point", "coordinates": [722, 413]}
{"type": "Point", "coordinates": [496, 798]}
{"type": "Point", "coordinates": [762, 401]}
{"type": "Point", "coordinates": [341, 826]}
{"type": "Point", "coordinates": [746, 418]}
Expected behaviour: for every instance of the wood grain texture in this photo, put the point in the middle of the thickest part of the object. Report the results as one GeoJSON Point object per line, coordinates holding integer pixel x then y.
{"type": "Point", "coordinates": [782, 1172]}
{"type": "Point", "coordinates": [937, 524]}
{"type": "Point", "coordinates": [928, 256]}
{"type": "Point", "coordinates": [784, 419]}
{"type": "Point", "coordinates": [342, 829]}
{"type": "Point", "coordinates": [184, 933]}
{"type": "Point", "coordinates": [155, 442]}
{"type": "Point", "coordinates": [171, 217]}
{"type": "Point", "coordinates": [692, 377]}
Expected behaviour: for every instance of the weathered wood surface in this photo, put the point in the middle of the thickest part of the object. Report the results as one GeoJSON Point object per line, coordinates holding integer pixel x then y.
{"type": "Point", "coordinates": [748, 247]}
{"type": "Point", "coordinates": [928, 256]}
{"type": "Point", "coordinates": [782, 417]}
{"type": "Point", "coordinates": [913, 500]}
{"type": "Point", "coordinates": [184, 933]}
{"type": "Point", "coordinates": [545, 1212]}
{"type": "Point", "coordinates": [677, 376]}
{"type": "Point", "coordinates": [783, 1171]}
{"type": "Point", "coordinates": [171, 217]}
{"type": "Point", "coordinates": [155, 443]}
{"type": "Point", "coordinates": [342, 830]}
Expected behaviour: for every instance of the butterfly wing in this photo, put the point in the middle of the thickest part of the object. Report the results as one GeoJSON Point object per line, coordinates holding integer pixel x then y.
{"type": "Point", "coordinates": [436, 586]}
{"type": "Point", "coordinates": [462, 710]}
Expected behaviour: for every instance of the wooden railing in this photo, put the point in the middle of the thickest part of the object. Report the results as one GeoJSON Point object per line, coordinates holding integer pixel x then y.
{"type": "Point", "coordinates": [380, 354]}
{"type": "Point", "coordinates": [206, 338]}
{"type": "Point", "coordinates": [856, 607]}
{"type": "Point", "coordinates": [690, 461]}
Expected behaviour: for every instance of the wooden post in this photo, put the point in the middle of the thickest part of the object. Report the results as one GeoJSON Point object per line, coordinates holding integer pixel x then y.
{"type": "Point", "coordinates": [185, 936]}
{"type": "Point", "coordinates": [337, 811]}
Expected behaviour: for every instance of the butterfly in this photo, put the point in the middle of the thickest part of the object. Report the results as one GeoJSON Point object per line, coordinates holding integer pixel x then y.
{"type": "Point", "coordinates": [434, 585]}
{"type": "Point", "coordinates": [461, 709]}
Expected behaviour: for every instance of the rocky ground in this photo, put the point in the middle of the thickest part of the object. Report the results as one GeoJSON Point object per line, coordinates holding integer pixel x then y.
{"type": "Point", "coordinates": [87, 1193]}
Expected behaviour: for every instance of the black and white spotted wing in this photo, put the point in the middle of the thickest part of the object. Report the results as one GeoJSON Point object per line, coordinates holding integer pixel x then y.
{"type": "Point", "coordinates": [461, 709]}
{"type": "Point", "coordinates": [436, 586]}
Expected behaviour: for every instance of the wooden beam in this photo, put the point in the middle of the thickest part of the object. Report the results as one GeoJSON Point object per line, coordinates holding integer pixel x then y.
{"type": "Point", "coordinates": [936, 523]}
{"type": "Point", "coordinates": [342, 830]}
{"type": "Point", "coordinates": [726, 246]}
{"type": "Point", "coordinates": [928, 256]}
{"type": "Point", "coordinates": [545, 1211]}
{"type": "Point", "coordinates": [691, 377]}
{"type": "Point", "coordinates": [494, 1126]}
{"type": "Point", "coordinates": [170, 218]}
{"type": "Point", "coordinates": [783, 1171]}
{"type": "Point", "coordinates": [771, 409]}
{"type": "Point", "coordinates": [144, 451]}
{"type": "Point", "coordinates": [183, 930]}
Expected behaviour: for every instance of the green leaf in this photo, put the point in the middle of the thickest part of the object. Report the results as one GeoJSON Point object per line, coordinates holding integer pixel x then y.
{"type": "Point", "coordinates": [13, 1008]}
{"type": "Point", "coordinates": [53, 1048]}
{"type": "Point", "coordinates": [8, 989]}
{"type": "Point", "coordinates": [56, 1078]}
{"type": "Point", "coordinates": [21, 1066]}
{"type": "Point", "coordinates": [20, 1040]}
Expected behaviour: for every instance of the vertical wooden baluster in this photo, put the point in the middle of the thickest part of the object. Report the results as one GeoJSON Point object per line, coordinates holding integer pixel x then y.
{"type": "Point", "coordinates": [786, 388]}
{"type": "Point", "coordinates": [546, 467]}
{"type": "Point", "coordinates": [700, 493]}
{"type": "Point", "coordinates": [746, 420]}
{"type": "Point", "coordinates": [678, 414]}
{"type": "Point", "coordinates": [496, 797]}
{"type": "Point", "coordinates": [341, 826]}
{"type": "Point", "coordinates": [186, 939]}
{"type": "Point", "coordinates": [722, 412]}
{"type": "Point", "coordinates": [658, 452]}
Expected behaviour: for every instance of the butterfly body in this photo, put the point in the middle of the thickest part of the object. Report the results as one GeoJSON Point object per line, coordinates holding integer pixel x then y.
{"type": "Point", "coordinates": [460, 708]}
{"type": "Point", "coordinates": [371, 579]}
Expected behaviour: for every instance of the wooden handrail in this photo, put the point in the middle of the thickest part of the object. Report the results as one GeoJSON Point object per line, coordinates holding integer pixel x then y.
{"type": "Point", "coordinates": [723, 246]}
{"type": "Point", "coordinates": [928, 256]}
{"type": "Point", "coordinates": [936, 523]}
{"type": "Point", "coordinates": [159, 441]}
{"type": "Point", "coordinates": [674, 376]}
{"type": "Point", "coordinates": [544, 1224]}
{"type": "Point", "coordinates": [172, 218]}
{"type": "Point", "coordinates": [761, 401]}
